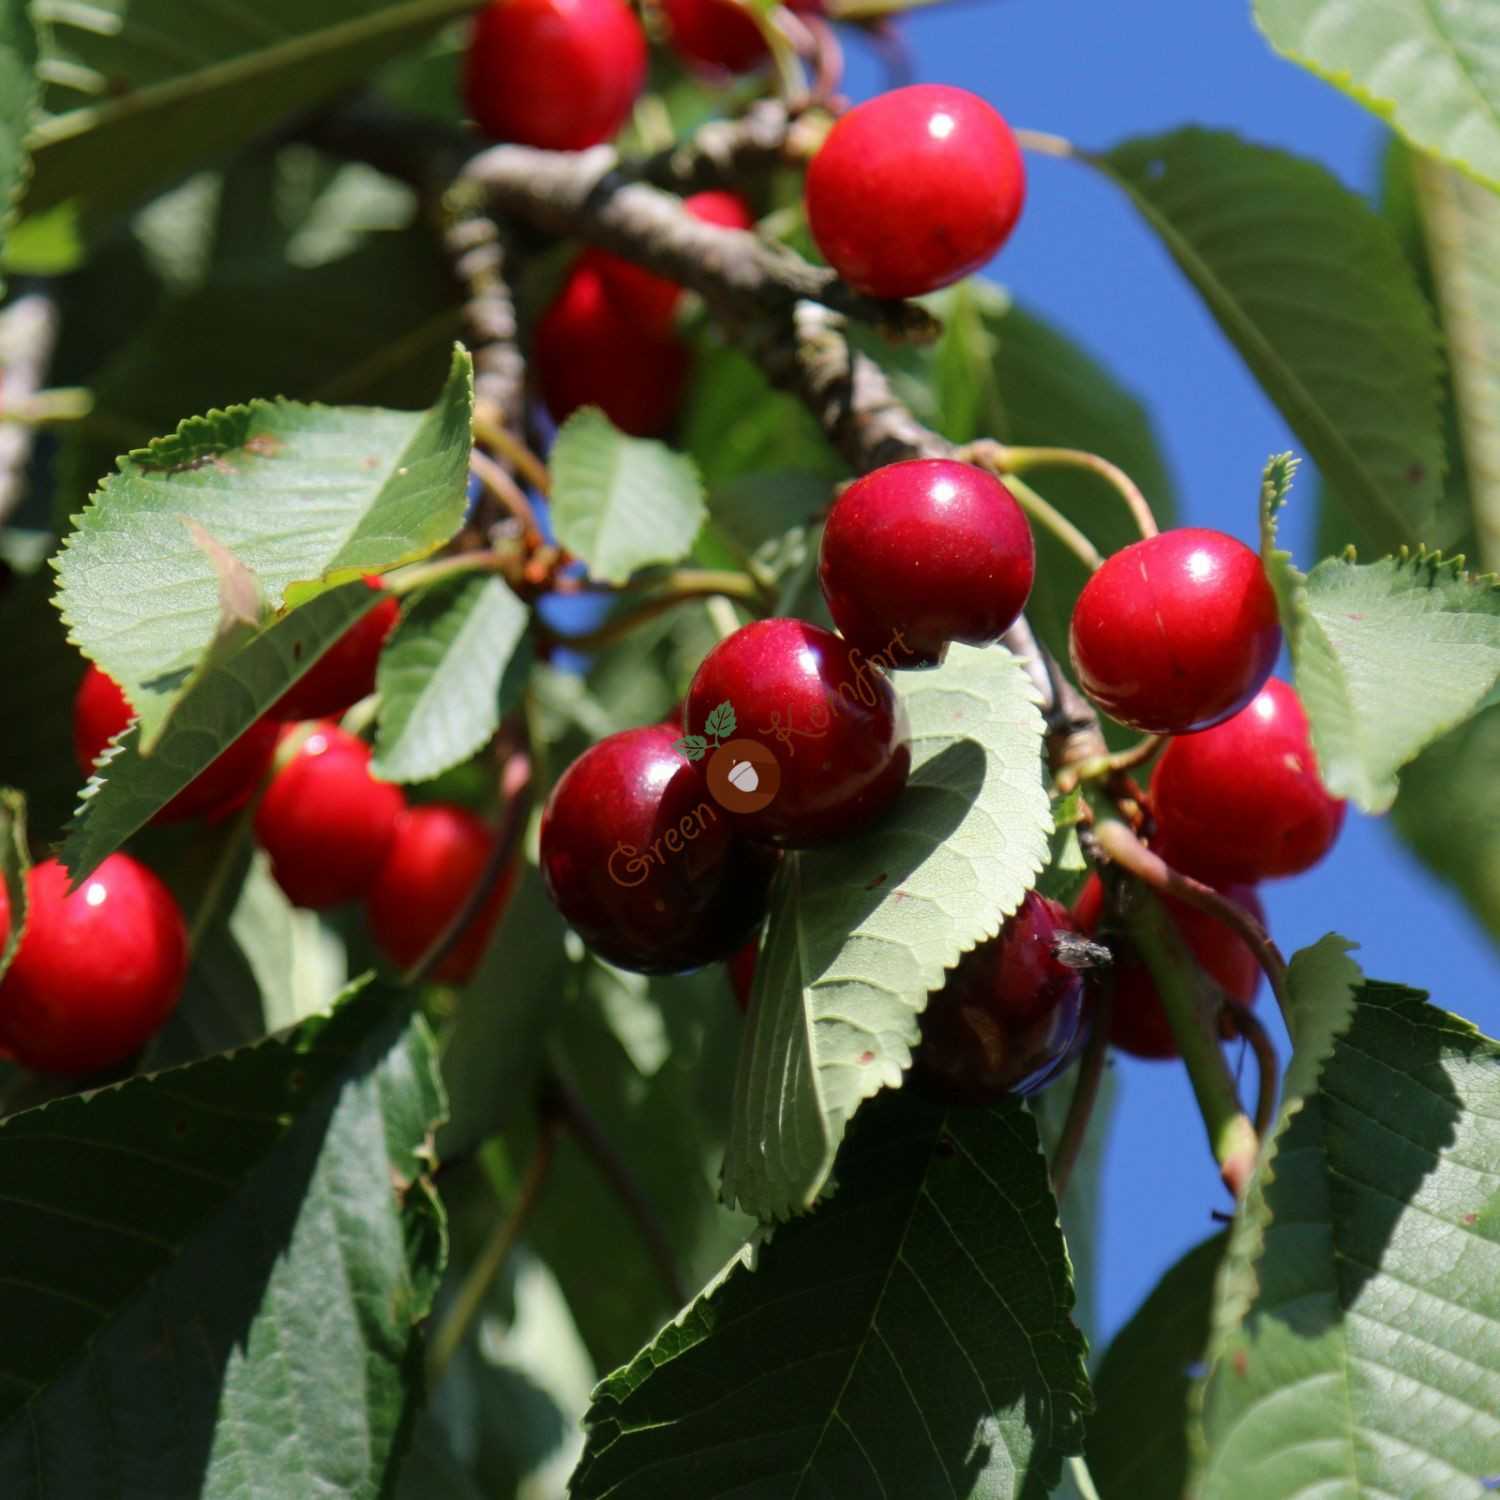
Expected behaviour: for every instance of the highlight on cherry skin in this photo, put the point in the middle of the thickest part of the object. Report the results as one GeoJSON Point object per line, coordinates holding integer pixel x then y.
{"type": "Point", "coordinates": [1138, 1021]}
{"type": "Point", "coordinates": [928, 551]}
{"type": "Point", "coordinates": [325, 821]}
{"type": "Point", "coordinates": [98, 970]}
{"type": "Point", "coordinates": [101, 711]}
{"type": "Point", "coordinates": [645, 865]}
{"type": "Point", "coordinates": [1244, 801]}
{"type": "Point", "coordinates": [829, 715]}
{"type": "Point", "coordinates": [1009, 1017]}
{"type": "Point", "coordinates": [914, 189]}
{"type": "Point", "coordinates": [1177, 632]}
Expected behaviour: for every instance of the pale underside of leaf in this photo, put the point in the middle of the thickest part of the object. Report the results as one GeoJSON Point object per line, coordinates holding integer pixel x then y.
{"type": "Point", "coordinates": [1432, 70]}
{"type": "Point", "coordinates": [861, 932]}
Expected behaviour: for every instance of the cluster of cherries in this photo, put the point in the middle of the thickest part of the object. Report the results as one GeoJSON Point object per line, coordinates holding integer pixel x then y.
{"type": "Point", "coordinates": [908, 193]}
{"type": "Point", "coordinates": [1175, 635]}
{"type": "Point", "coordinates": [101, 968]}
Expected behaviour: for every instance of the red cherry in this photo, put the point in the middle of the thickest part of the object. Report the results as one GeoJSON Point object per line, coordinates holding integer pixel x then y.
{"type": "Point", "coordinates": [829, 719]}
{"type": "Point", "coordinates": [588, 354]}
{"type": "Point", "coordinates": [922, 553]}
{"type": "Point", "coordinates": [436, 859]}
{"type": "Point", "coordinates": [345, 672]}
{"type": "Point", "coordinates": [560, 74]}
{"type": "Point", "coordinates": [97, 972]}
{"type": "Point", "coordinates": [644, 863]}
{"type": "Point", "coordinates": [1177, 632]}
{"type": "Point", "coordinates": [741, 965]}
{"type": "Point", "coordinates": [1007, 1019]}
{"type": "Point", "coordinates": [1138, 1023]}
{"type": "Point", "coordinates": [644, 297]}
{"type": "Point", "coordinates": [914, 189]}
{"type": "Point", "coordinates": [1244, 801]}
{"type": "Point", "coordinates": [101, 711]}
{"type": "Point", "coordinates": [326, 822]}
{"type": "Point", "coordinates": [717, 35]}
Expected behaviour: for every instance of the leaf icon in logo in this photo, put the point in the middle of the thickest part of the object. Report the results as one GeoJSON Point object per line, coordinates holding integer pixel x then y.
{"type": "Point", "coordinates": [721, 722]}
{"type": "Point", "coordinates": [694, 746]}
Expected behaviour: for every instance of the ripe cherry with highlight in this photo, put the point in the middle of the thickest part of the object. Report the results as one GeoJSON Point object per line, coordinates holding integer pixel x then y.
{"type": "Point", "coordinates": [831, 719]}
{"type": "Point", "coordinates": [560, 74]}
{"type": "Point", "coordinates": [1009, 1016]}
{"type": "Point", "coordinates": [1176, 632]}
{"type": "Point", "coordinates": [1244, 801]}
{"type": "Point", "coordinates": [326, 823]}
{"type": "Point", "coordinates": [97, 972]}
{"type": "Point", "coordinates": [924, 553]}
{"type": "Point", "coordinates": [914, 189]}
{"type": "Point", "coordinates": [644, 863]}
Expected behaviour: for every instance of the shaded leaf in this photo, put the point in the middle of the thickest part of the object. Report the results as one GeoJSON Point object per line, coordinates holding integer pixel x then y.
{"type": "Point", "coordinates": [621, 503]}
{"type": "Point", "coordinates": [909, 1338]}
{"type": "Point", "coordinates": [1357, 1326]}
{"type": "Point", "coordinates": [861, 931]}
{"type": "Point", "coordinates": [1432, 71]}
{"type": "Point", "coordinates": [216, 1285]}
{"type": "Point", "coordinates": [302, 495]}
{"type": "Point", "coordinates": [440, 676]}
{"type": "Point", "coordinates": [18, 101]}
{"type": "Point", "coordinates": [1293, 265]}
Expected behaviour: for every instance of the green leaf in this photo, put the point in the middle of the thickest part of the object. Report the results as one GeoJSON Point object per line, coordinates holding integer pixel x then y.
{"type": "Point", "coordinates": [621, 503]}
{"type": "Point", "coordinates": [215, 1284]}
{"type": "Point", "coordinates": [1357, 1332]}
{"type": "Point", "coordinates": [142, 92]}
{"type": "Point", "coordinates": [1137, 1444]}
{"type": "Point", "coordinates": [302, 495]}
{"type": "Point", "coordinates": [1389, 656]}
{"type": "Point", "coordinates": [694, 746]}
{"type": "Point", "coordinates": [220, 705]}
{"type": "Point", "coordinates": [15, 861]}
{"type": "Point", "coordinates": [910, 1338]}
{"type": "Point", "coordinates": [18, 100]}
{"type": "Point", "coordinates": [721, 721]}
{"type": "Point", "coordinates": [440, 676]}
{"type": "Point", "coordinates": [1292, 264]}
{"type": "Point", "coordinates": [1432, 71]}
{"type": "Point", "coordinates": [1462, 223]}
{"type": "Point", "coordinates": [862, 931]}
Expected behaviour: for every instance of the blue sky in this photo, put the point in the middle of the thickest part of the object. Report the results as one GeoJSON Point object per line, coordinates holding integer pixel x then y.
{"type": "Point", "coordinates": [1097, 71]}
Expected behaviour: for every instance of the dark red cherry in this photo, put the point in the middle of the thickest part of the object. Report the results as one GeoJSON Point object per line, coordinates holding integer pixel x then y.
{"type": "Point", "coordinates": [644, 863]}
{"type": "Point", "coordinates": [644, 297]}
{"type": "Point", "coordinates": [326, 823]}
{"type": "Point", "coordinates": [588, 354]}
{"type": "Point", "coordinates": [914, 189]}
{"type": "Point", "coordinates": [1244, 801]}
{"type": "Point", "coordinates": [922, 553]}
{"type": "Point", "coordinates": [345, 672]}
{"type": "Point", "coordinates": [1138, 1022]}
{"type": "Point", "coordinates": [561, 74]}
{"type": "Point", "coordinates": [101, 711]}
{"type": "Point", "coordinates": [1177, 632]}
{"type": "Point", "coordinates": [1007, 1020]}
{"type": "Point", "coordinates": [97, 972]}
{"type": "Point", "coordinates": [716, 35]}
{"type": "Point", "coordinates": [437, 857]}
{"type": "Point", "coordinates": [828, 719]}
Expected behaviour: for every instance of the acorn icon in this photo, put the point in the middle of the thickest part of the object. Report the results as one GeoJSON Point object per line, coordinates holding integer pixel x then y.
{"type": "Point", "coordinates": [743, 777]}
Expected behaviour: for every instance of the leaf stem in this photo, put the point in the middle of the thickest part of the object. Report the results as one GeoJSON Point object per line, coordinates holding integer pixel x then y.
{"type": "Point", "coordinates": [1015, 461]}
{"type": "Point", "coordinates": [1102, 766]}
{"type": "Point", "coordinates": [1053, 520]}
{"type": "Point", "coordinates": [596, 1145]}
{"type": "Point", "coordinates": [494, 478]}
{"type": "Point", "coordinates": [679, 587]}
{"type": "Point", "coordinates": [1085, 1092]}
{"type": "Point", "coordinates": [494, 434]}
{"type": "Point", "coordinates": [60, 404]}
{"type": "Point", "coordinates": [418, 576]}
{"type": "Point", "coordinates": [1248, 1024]}
{"type": "Point", "coordinates": [1045, 143]}
{"type": "Point", "coordinates": [470, 1301]}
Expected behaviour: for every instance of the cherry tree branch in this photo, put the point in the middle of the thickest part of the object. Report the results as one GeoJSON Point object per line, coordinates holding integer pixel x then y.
{"type": "Point", "coordinates": [725, 153]}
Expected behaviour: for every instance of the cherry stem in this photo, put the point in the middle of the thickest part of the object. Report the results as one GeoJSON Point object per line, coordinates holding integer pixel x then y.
{"type": "Point", "coordinates": [1045, 143]}
{"type": "Point", "coordinates": [495, 435]}
{"type": "Point", "coordinates": [1231, 1136]}
{"type": "Point", "coordinates": [1126, 850]}
{"type": "Point", "coordinates": [1085, 1092]}
{"type": "Point", "coordinates": [46, 408]}
{"type": "Point", "coordinates": [510, 495]}
{"type": "Point", "coordinates": [680, 587]}
{"type": "Point", "coordinates": [1019, 460]}
{"type": "Point", "coordinates": [1102, 766]}
{"type": "Point", "coordinates": [594, 1140]}
{"type": "Point", "coordinates": [469, 1303]}
{"type": "Point", "coordinates": [408, 580]}
{"type": "Point", "coordinates": [1055, 521]}
{"type": "Point", "coordinates": [516, 785]}
{"type": "Point", "coordinates": [1247, 1023]}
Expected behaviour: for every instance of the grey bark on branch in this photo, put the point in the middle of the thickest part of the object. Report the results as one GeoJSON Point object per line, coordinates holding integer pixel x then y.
{"type": "Point", "coordinates": [723, 153]}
